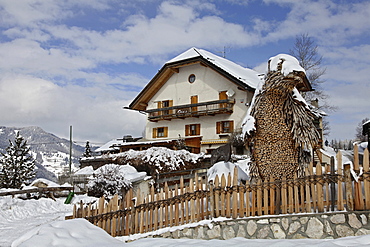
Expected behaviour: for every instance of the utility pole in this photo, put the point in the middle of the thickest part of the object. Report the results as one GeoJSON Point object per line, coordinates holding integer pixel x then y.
{"type": "Point", "coordinates": [70, 150]}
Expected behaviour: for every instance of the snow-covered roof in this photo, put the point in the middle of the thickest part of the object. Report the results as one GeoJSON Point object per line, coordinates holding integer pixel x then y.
{"type": "Point", "coordinates": [245, 75]}
{"type": "Point", "coordinates": [140, 143]}
{"type": "Point", "coordinates": [44, 181]}
{"type": "Point", "coordinates": [109, 146]}
{"type": "Point", "coordinates": [88, 170]}
{"type": "Point", "coordinates": [128, 172]}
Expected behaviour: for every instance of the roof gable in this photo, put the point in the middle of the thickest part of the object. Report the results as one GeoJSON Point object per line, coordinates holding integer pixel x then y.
{"type": "Point", "coordinates": [246, 79]}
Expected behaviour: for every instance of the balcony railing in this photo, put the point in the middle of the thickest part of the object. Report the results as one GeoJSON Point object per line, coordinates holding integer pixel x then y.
{"type": "Point", "coordinates": [209, 108]}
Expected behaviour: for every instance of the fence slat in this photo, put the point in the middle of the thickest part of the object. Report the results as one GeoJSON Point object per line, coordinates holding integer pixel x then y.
{"type": "Point", "coordinates": [223, 201]}
{"type": "Point", "coordinates": [235, 193]}
{"type": "Point", "coordinates": [217, 196]}
{"type": "Point", "coordinates": [284, 201]}
{"type": "Point", "coordinates": [340, 202]}
{"type": "Point", "coordinates": [358, 198]}
{"type": "Point", "coordinates": [349, 191]}
{"type": "Point", "coordinates": [366, 178]}
{"type": "Point", "coordinates": [320, 194]}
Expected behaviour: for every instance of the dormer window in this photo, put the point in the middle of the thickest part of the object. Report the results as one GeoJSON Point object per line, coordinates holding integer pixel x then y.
{"type": "Point", "coordinates": [191, 78]}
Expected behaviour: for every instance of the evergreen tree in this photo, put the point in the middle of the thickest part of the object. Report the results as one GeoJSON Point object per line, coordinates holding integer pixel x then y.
{"type": "Point", "coordinates": [87, 152]}
{"type": "Point", "coordinates": [17, 164]}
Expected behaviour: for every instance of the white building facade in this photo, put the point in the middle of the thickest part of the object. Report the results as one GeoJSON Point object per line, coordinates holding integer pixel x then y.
{"type": "Point", "coordinates": [198, 96]}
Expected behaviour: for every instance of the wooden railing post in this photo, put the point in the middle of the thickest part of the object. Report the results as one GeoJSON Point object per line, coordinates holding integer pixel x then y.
{"type": "Point", "coordinates": [348, 183]}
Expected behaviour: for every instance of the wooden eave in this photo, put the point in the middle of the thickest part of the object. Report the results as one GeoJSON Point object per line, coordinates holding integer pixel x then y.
{"type": "Point", "coordinates": [306, 85]}
{"type": "Point", "coordinates": [141, 101]}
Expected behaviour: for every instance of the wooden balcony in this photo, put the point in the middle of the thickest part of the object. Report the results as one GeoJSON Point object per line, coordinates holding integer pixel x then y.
{"type": "Point", "coordinates": [209, 108]}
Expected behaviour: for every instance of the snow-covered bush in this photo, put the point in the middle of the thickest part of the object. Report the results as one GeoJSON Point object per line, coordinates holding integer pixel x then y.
{"type": "Point", "coordinates": [107, 181]}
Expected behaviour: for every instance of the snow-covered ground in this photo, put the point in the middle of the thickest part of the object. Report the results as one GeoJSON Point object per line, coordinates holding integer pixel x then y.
{"type": "Point", "coordinates": [41, 223]}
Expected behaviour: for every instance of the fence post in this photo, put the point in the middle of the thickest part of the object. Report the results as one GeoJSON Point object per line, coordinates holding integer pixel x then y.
{"type": "Point", "coordinates": [340, 180]}
{"type": "Point", "coordinates": [348, 182]}
{"type": "Point", "coordinates": [235, 193]}
{"type": "Point", "coordinates": [211, 200]}
{"type": "Point", "coordinates": [359, 201]}
{"type": "Point", "coordinates": [332, 183]}
{"type": "Point", "coordinates": [366, 178]}
{"type": "Point", "coordinates": [320, 194]}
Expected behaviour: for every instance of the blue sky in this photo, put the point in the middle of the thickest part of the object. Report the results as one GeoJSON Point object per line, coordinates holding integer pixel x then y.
{"type": "Point", "coordinates": [78, 62]}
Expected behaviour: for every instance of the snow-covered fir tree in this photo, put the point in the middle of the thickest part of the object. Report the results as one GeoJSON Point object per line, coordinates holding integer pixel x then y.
{"type": "Point", "coordinates": [87, 152]}
{"type": "Point", "coordinates": [17, 165]}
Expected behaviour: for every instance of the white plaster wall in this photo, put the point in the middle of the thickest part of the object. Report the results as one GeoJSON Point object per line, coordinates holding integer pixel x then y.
{"type": "Point", "coordinates": [207, 86]}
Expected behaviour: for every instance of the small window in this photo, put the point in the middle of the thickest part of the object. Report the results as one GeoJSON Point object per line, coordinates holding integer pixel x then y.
{"type": "Point", "coordinates": [224, 127]}
{"type": "Point", "coordinates": [192, 130]}
{"type": "Point", "coordinates": [160, 132]}
{"type": "Point", "coordinates": [191, 78]}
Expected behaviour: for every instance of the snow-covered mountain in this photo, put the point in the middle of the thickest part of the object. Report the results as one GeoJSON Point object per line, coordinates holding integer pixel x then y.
{"type": "Point", "coordinates": [51, 152]}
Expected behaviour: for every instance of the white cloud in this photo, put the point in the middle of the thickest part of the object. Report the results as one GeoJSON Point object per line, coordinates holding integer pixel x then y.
{"type": "Point", "coordinates": [95, 114]}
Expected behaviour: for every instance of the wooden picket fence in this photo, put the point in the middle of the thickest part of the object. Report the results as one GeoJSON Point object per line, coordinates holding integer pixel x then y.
{"type": "Point", "coordinates": [323, 189]}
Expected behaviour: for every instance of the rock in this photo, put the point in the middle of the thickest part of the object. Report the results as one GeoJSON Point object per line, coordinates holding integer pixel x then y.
{"type": "Point", "coordinates": [362, 232]}
{"type": "Point", "coordinates": [274, 220]}
{"type": "Point", "coordinates": [294, 227]}
{"type": "Point", "coordinates": [228, 233]}
{"type": "Point", "coordinates": [303, 220]}
{"type": "Point", "coordinates": [199, 233]}
{"type": "Point", "coordinates": [263, 221]}
{"type": "Point", "coordinates": [251, 227]}
{"type": "Point", "coordinates": [285, 223]}
{"type": "Point", "coordinates": [263, 233]}
{"type": "Point", "coordinates": [344, 231]}
{"type": "Point", "coordinates": [278, 232]}
{"type": "Point", "coordinates": [338, 219]}
{"type": "Point", "coordinates": [166, 234]}
{"type": "Point", "coordinates": [298, 236]}
{"type": "Point", "coordinates": [215, 232]}
{"type": "Point", "coordinates": [187, 232]}
{"type": "Point", "coordinates": [315, 229]}
{"type": "Point", "coordinates": [176, 234]}
{"type": "Point", "coordinates": [363, 219]}
{"type": "Point", "coordinates": [354, 222]}
{"type": "Point", "coordinates": [328, 229]}
{"type": "Point", "coordinates": [241, 232]}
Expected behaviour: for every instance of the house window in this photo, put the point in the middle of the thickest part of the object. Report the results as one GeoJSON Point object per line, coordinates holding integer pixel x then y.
{"type": "Point", "coordinates": [192, 130]}
{"type": "Point", "coordinates": [160, 132]}
{"type": "Point", "coordinates": [224, 127]}
{"type": "Point", "coordinates": [165, 104]}
{"type": "Point", "coordinates": [191, 78]}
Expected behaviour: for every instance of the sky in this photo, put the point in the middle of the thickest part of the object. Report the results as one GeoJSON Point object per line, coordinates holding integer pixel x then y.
{"type": "Point", "coordinates": [79, 62]}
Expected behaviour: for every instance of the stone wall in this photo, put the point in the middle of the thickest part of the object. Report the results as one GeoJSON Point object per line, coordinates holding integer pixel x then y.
{"type": "Point", "coordinates": [317, 226]}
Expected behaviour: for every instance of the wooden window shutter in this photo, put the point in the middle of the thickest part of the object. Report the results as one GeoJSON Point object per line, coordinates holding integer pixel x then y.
{"type": "Point", "coordinates": [154, 132]}
{"type": "Point", "coordinates": [165, 131]}
{"type": "Point", "coordinates": [159, 104]}
{"type": "Point", "coordinates": [218, 127]}
{"type": "Point", "coordinates": [187, 130]}
{"type": "Point", "coordinates": [222, 95]}
{"type": "Point", "coordinates": [231, 126]}
{"type": "Point", "coordinates": [197, 129]}
{"type": "Point", "coordinates": [194, 100]}
{"type": "Point", "coordinates": [170, 104]}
